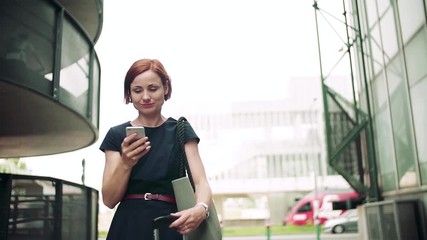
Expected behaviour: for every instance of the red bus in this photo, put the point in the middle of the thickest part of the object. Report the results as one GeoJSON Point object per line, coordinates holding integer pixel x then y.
{"type": "Point", "coordinates": [303, 213]}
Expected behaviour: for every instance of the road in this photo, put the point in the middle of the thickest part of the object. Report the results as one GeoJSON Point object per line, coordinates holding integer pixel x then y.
{"type": "Point", "coordinates": [347, 236]}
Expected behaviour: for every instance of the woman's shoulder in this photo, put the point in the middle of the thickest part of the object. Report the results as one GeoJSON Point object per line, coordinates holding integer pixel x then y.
{"type": "Point", "coordinates": [114, 137]}
{"type": "Point", "coordinates": [175, 120]}
{"type": "Point", "coordinates": [170, 120]}
{"type": "Point", "coordinates": [171, 123]}
{"type": "Point", "coordinates": [120, 127]}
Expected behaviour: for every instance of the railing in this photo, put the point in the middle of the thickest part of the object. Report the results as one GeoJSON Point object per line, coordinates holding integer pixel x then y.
{"type": "Point", "coordinates": [46, 208]}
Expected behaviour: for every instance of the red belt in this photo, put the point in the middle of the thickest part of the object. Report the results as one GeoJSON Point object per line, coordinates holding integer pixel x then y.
{"type": "Point", "coordinates": [152, 196]}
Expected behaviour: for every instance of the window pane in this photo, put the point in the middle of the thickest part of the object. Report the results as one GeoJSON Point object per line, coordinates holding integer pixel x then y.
{"type": "Point", "coordinates": [416, 57]}
{"type": "Point", "coordinates": [419, 98]}
{"type": "Point", "coordinates": [74, 212]}
{"type": "Point", "coordinates": [383, 130]}
{"type": "Point", "coordinates": [74, 80]}
{"type": "Point", "coordinates": [385, 150]}
{"type": "Point", "coordinates": [382, 121]}
{"type": "Point", "coordinates": [389, 35]}
{"type": "Point", "coordinates": [371, 10]}
{"type": "Point", "coordinates": [412, 17]}
{"type": "Point", "coordinates": [95, 93]}
{"type": "Point", "coordinates": [32, 209]}
{"type": "Point", "coordinates": [401, 122]}
{"type": "Point", "coordinates": [27, 43]}
{"type": "Point", "coordinates": [383, 5]}
{"type": "Point", "coordinates": [379, 93]}
{"type": "Point", "coordinates": [388, 223]}
{"type": "Point", "coordinates": [376, 50]}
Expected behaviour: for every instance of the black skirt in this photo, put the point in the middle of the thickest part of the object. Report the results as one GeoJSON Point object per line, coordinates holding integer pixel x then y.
{"type": "Point", "coordinates": [133, 220]}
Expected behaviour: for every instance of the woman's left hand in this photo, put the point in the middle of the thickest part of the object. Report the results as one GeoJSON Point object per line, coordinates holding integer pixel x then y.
{"type": "Point", "coordinates": [189, 219]}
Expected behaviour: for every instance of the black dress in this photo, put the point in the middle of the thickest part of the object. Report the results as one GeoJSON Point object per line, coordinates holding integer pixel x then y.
{"type": "Point", "coordinates": [152, 174]}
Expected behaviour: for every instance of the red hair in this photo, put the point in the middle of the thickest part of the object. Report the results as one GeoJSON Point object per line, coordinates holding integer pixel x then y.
{"type": "Point", "coordinates": [144, 65]}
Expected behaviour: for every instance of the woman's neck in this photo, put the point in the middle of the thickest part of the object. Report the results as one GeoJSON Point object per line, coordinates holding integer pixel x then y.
{"type": "Point", "coordinates": [148, 122]}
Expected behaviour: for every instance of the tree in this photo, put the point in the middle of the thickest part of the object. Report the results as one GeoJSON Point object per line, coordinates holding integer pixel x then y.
{"type": "Point", "coordinates": [12, 165]}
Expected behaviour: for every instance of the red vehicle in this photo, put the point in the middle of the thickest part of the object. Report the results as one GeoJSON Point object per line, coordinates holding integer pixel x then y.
{"type": "Point", "coordinates": [303, 213]}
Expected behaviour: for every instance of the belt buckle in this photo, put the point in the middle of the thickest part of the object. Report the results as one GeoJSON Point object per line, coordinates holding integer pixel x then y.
{"type": "Point", "coordinates": [146, 196]}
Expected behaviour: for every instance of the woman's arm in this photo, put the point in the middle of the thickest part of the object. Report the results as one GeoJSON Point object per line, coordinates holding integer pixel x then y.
{"type": "Point", "coordinates": [115, 179]}
{"type": "Point", "coordinates": [201, 184]}
{"type": "Point", "coordinates": [118, 168]}
{"type": "Point", "coordinates": [191, 218]}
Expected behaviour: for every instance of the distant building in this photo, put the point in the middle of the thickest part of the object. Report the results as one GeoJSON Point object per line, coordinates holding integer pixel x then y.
{"type": "Point", "coordinates": [258, 149]}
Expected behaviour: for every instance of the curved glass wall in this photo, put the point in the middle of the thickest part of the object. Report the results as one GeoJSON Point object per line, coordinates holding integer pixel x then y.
{"type": "Point", "coordinates": [27, 43]}
{"type": "Point", "coordinates": [75, 65]}
{"type": "Point", "coordinates": [31, 31]}
{"type": "Point", "coordinates": [95, 95]}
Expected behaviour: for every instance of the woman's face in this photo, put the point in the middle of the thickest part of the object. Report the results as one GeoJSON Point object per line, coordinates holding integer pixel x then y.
{"type": "Point", "coordinates": [147, 93]}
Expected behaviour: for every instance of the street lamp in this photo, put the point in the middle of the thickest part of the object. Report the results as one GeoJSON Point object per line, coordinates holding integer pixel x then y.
{"type": "Point", "coordinates": [316, 167]}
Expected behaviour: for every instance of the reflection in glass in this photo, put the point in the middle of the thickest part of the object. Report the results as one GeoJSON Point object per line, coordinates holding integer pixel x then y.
{"type": "Point", "coordinates": [389, 35]}
{"type": "Point", "coordinates": [419, 98]}
{"type": "Point", "coordinates": [416, 57]}
{"type": "Point", "coordinates": [412, 17]}
{"type": "Point", "coordinates": [401, 123]}
{"type": "Point", "coordinates": [74, 210]}
{"type": "Point", "coordinates": [385, 150]}
{"type": "Point", "coordinates": [74, 83]}
{"type": "Point", "coordinates": [94, 113]}
{"type": "Point", "coordinates": [26, 51]}
{"type": "Point", "coordinates": [32, 208]}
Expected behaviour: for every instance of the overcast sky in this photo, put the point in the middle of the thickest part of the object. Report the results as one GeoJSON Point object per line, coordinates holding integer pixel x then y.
{"type": "Point", "coordinates": [216, 52]}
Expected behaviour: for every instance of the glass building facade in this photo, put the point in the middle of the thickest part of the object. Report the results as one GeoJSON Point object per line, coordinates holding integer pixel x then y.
{"type": "Point", "coordinates": [395, 58]}
{"type": "Point", "coordinates": [387, 48]}
{"type": "Point", "coordinates": [49, 76]}
{"type": "Point", "coordinates": [49, 103]}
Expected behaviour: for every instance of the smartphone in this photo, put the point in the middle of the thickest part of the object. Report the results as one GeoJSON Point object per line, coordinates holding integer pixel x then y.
{"type": "Point", "coordinates": [140, 131]}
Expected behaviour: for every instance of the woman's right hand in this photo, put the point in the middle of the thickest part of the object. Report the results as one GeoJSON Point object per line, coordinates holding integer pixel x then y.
{"type": "Point", "coordinates": [133, 150]}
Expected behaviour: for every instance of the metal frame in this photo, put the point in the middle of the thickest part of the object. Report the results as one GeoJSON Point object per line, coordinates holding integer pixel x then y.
{"type": "Point", "coordinates": [361, 122]}
{"type": "Point", "coordinates": [6, 198]}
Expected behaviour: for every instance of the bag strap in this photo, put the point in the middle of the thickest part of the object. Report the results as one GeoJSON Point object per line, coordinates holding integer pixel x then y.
{"type": "Point", "coordinates": [184, 168]}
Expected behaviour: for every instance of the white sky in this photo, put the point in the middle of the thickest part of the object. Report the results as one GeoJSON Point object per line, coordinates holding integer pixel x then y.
{"type": "Point", "coordinates": [216, 52]}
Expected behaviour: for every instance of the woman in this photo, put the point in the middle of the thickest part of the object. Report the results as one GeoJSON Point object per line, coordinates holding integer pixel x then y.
{"type": "Point", "coordinates": [138, 172]}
